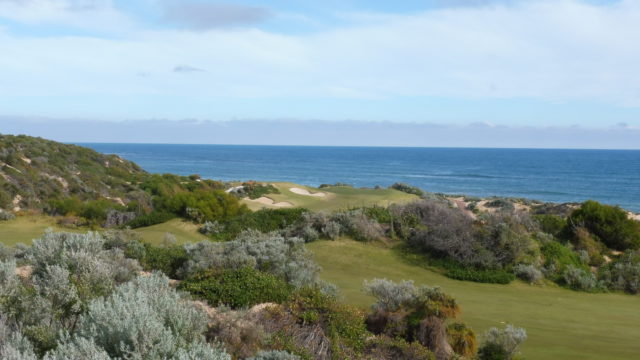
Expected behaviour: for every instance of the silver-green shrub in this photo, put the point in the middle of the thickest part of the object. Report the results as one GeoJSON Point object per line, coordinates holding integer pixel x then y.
{"type": "Point", "coordinates": [13, 345]}
{"type": "Point", "coordinates": [274, 355]}
{"type": "Point", "coordinates": [528, 273]}
{"type": "Point", "coordinates": [507, 341]}
{"type": "Point", "coordinates": [77, 348]}
{"type": "Point", "coordinates": [579, 279]}
{"type": "Point", "coordinates": [390, 295]}
{"type": "Point", "coordinates": [94, 268]}
{"type": "Point", "coordinates": [273, 253]}
{"type": "Point", "coordinates": [147, 319]}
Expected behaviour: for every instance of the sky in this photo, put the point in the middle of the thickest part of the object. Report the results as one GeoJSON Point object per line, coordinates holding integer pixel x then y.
{"type": "Point", "coordinates": [487, 73]}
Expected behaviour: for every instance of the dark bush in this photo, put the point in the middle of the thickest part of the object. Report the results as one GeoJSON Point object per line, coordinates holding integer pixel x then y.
{"type": "Point", "coordinates": [407, 189]}
{"type": "Point", "coordinates": [481, 276]}
{"type": "Point", "coordinates": [265, 220]}
{"type": "Point", "coordinates": [237, 288]}
{"type": "Point", "coordinates": [551, 224]}
{"type": "Point", "coordinates": [166, 259]}
{"type": "Point", "coordinates": [610, 224]}
{"type": "Point", "coordinates": [153, 218]}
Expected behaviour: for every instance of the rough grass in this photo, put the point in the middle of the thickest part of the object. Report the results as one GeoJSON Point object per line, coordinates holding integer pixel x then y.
{"type": "Point", "coordinates": [561, 324]}
{"type": "Point", "coordinates": [338, 197]}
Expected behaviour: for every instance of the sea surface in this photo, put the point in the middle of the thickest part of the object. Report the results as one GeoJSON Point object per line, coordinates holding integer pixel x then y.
{"type": "Point", "coordinates": [609, 176]}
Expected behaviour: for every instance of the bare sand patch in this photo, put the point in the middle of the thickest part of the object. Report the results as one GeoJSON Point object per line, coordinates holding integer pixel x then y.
{"type": "Point", "coordinates": [306, 192]}
{"type": "Point", "coordinates": [268, 201]}
{"type": "Point", "coordinates": [633, 216]}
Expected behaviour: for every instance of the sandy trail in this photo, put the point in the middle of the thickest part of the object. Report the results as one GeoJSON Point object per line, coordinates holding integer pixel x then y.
{"type": "Point", "coordinates": [306, 192]}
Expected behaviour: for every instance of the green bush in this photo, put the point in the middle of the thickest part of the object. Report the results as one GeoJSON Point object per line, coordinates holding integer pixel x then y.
{"type": "Point", "coordinates": [557, 257]}
{"type": "Point", "coordinates": [407, 189]}
{"type": "Point", "coordinates": [343, 324]}
{"type": "Point", "coordinates": [153, 218]}
{"type": "Point", "coordinates": [609, 223]}
{"type": "Point", "coordinates": [551, 224]}
{"type": "Point", "coordinates": [265, 220]}
{"type": "Point", "coordinates": [237, 288]}
{"type": "Point", "coordinates": [166, 259]}
{"type": "Point", "coordinates": [481, 276]}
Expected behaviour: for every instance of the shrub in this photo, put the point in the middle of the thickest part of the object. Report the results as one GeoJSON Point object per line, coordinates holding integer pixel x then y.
{"type": "Point", "coordinates": [479, 275]}
{"type": "Point", "coordinates": [558, 257]}
{"type": "Point", "coordinates": [255, 190]}
{"type": "Point", "coordinates": [13, 345]}
{"type": "Point", "coordinates": [146, 318]}
{"type": "Point", "coordinates": [343, 325]}
{"type": "Point", "coordinates": [407, 189]}
{"type": "Point", "coordinates": [528, 273]}
{"type": "Point", "coordinates": [153, 218]}
{"type": "Point", "coordinates": [237, 288]}
{"type": "Point", "coordinates": [383, 347]}
{"type": "Point", "coordinates": [462, 339]}
{"type": "Point", "coordinates": [93, 268]}
{"type": "Point", "coordinates": [210, 228]}
{"type": "Point", "coordinates": [502, 204]}
{"type": "Point", "coordinates": [168, 260]}
{"type": "Point", "coordinates": [579, 279]}
{"type": "Point", "coordinates": [609, 223]}
{"type": "Point", "coordinates": [551, 224]}
{"type": "Point", "coordinates": [77, 348]}
{"type": "Point", "coordinates": [624, 274]}
{"type": "Point", "coordinates": [264, 220]}
{"type": "Point", "coordinates": [412, 313]}
{"type": "Point", "coordinates": [502, 344]}
{"type": "Point", "coordinates": [284, 257]}
{"type": "Point", "coordinates": [6, 216]}
{"type": "Point", "coordinates": [362, 228]}
{"type": "Point", "coordinates": [331, 230]}
{"type": "Point", "coordinates": [274, 355]}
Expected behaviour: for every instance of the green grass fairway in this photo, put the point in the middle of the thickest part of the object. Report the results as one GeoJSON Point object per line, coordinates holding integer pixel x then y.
{"type": "Point", "coordinates": [561, 324]}
{"type": "Point", "coordinates": [184, 231]}
{"type": "Point", "coordinates": [24, 229]}
{"type": "Point", "coordinates": [337, 197]}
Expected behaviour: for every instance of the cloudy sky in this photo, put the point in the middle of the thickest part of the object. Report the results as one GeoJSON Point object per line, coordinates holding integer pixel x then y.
{"type": "Point", "coordinates": [553, 73]}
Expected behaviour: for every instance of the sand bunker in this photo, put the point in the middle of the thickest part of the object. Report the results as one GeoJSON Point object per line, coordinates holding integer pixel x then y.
{"type": "Point", "coordinates": [267, 201]}
{"type": "Point", "coordinates": [306, 192]}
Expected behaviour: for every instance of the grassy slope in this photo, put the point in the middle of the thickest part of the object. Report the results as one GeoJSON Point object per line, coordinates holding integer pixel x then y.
{"type": "Point", "coordinates": [24, 229]}
{"type": "Point", "coordinates": [337, 197]}
{"type": "Point", "coordinates": [562, 324]}
{"type": "Point", "coordinates": [184, 231]}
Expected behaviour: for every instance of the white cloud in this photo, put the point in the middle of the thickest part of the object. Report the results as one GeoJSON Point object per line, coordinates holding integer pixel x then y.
{"type": "Point", "coordinates": [553, 50]}
{"type": "Point", "coordinates": [101, 15]}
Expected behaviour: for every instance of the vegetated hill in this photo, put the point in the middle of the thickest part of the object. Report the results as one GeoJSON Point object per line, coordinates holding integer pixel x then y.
{"type": "Point", "coordinates": [35, 170]}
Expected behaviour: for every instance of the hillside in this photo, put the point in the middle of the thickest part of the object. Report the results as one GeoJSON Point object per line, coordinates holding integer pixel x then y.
{"type": "Point", "coordinates": [35, 170]}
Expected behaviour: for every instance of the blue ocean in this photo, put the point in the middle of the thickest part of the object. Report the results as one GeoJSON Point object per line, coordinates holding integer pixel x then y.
{"type": "Point", "coordinates": [609, 176]}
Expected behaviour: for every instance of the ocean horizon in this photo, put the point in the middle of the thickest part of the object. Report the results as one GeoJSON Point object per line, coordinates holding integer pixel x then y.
{"type": "Point", "coordinates": [554, 175]}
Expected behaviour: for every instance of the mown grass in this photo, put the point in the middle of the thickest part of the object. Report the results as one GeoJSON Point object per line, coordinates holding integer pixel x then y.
{"type": "Point", "coordinates": [184, 231]}
{"type": "Point", "coordinates": [337, 197]}
{"type": "Point", "coordinates": [24, 229]}
{"type": "Point", "coordinates": [561, 324]}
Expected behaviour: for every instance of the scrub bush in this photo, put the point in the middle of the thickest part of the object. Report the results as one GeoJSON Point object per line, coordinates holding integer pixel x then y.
{"type": "Point", "coordinates": [286, 258]}
{"type": "Point", "coordinates": [610, 224]}
{"type": "Point", "coordinates": [502, 344]}
{"type": "Point", "coordinates": [237, 288]}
